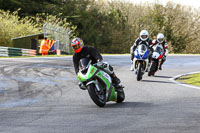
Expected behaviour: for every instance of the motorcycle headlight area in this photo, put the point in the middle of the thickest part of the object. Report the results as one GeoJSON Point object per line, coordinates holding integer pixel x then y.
{"type": "Point", "coordinates": [142, 52]}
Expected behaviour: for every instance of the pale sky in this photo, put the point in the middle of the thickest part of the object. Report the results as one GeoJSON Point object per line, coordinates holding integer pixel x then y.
{"type": "Point", "coordinates": [193, 3]}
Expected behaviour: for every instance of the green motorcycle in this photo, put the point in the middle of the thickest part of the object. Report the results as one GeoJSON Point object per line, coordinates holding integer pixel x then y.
{"type": "Point", "coordinates": [99, 83]}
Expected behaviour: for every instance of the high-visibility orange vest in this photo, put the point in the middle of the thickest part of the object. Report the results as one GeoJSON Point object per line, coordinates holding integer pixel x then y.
{"type": "Point", "coordinates": [44, 47]}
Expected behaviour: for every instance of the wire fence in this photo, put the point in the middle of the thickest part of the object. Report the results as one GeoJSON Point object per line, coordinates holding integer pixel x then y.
{"type": "Point", "coordinates": [60, 35]}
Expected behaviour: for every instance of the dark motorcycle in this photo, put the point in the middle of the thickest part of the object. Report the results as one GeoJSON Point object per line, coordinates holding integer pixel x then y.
{"type": "Point", "coordinates": [158, 53]}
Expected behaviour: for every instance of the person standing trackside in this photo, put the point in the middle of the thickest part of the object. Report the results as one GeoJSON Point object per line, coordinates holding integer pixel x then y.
{"type": "Point", "coordinates": [44, 47]}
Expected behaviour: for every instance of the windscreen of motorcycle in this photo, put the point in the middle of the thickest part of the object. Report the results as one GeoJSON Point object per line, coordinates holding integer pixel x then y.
{"type": "Point", "coordinates": [142, 49]}
{"type": "Point", "coordinates": [84, 64]}
{"type": "Point", "coordinates": [158, 49]}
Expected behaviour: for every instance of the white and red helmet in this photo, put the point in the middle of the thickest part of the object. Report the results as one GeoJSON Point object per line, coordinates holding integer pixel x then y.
{"type": "Point", "coordinates": [160, 37]}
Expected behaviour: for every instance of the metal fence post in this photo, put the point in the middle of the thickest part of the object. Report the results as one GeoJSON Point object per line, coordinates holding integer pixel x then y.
{"type": "Point", "coordinates": [60, 35]}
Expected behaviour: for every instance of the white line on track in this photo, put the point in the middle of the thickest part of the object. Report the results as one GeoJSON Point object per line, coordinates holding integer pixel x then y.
{"type": "Point", "coordinates": [183, 84]}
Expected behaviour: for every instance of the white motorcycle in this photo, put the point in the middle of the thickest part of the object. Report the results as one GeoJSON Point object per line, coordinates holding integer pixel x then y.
{"type": "Point", "coordinates": [140, 62]}
{"type": "Point", "coordinates": [158, 53]}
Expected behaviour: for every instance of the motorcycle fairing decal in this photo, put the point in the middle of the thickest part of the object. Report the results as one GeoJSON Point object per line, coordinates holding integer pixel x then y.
{"type": "Point", "coordinates": [110, 95]}
{"type": "Point", "coordinates": [137, 55]}
{"type": "Point", "coordinates": [106, 76]}
{"type": "Point", "coordinates": [83, 77]}
{"type": "Point", "coordinates": [146, 54]}
{"type": "Point", "coordinates": [160, 57]}
{"type": "Point", "coordinates": [92, 70]}
{"type": "Point", "coordinates": [108, 83]}
{"type": "Point", "coordinates": [109, 91]}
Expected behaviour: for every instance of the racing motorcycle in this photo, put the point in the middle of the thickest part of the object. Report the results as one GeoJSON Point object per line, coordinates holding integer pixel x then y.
{"type": "Point", "coordinates": [158, 53]}
{"type": "Point", "coordinates": [140, 62]}
{"type": "Point", "coordinates": [99, 83]}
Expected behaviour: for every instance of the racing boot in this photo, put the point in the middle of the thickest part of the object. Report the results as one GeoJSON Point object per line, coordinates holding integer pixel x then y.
{"type": "Point", "coordinates": [160, 67]}
{"type": "Point", "coordinates": [116, 82]}
{"type": "Point", "coordinates": [115, 79]}
{"type": "Point", "coordinates": [131, 69]}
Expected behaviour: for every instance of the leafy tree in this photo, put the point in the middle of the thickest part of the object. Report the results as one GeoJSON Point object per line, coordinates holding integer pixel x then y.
{"type": "Point", "coordinates": [112, 26]}
{"type": "Point", "coordinates": [12, 25]}
{"type": "Point", "coordinates": [30, 7]}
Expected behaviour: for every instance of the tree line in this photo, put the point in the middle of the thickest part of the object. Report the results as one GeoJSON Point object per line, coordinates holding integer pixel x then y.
{"type": "Point", "coordinates": [111, 27]}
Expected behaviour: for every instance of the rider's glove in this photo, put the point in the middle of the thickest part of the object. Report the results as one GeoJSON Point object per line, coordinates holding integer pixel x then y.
{"type": "Point", "coordinates": [82, 86]}
{"type": "Point", "coordinates": [99, 63]}
{"type": "Point", "coordinates": [164, 57]}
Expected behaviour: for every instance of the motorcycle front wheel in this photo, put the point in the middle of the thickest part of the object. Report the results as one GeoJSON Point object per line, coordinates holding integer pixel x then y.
{"type": "Point", "coordinates": [139, 73]}
{"type": "Point", "coordinates": [98, 97]}
{"type": "Point", "coordinates": [153, 68]}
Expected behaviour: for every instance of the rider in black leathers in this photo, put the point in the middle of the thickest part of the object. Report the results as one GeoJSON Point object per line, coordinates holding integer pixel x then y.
{"type": "Point", "coordinates": [143, 39]}
{"type": "Point", "coordinates": [90, 52]}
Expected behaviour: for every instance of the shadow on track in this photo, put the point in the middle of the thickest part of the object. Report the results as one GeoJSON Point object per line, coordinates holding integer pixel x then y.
{"type": "Point", "coordinates": [156, 81]}
{"type": "Point", "coordinates": [163, 76]}
{"type": "Point", "coordinates": [129, 105]}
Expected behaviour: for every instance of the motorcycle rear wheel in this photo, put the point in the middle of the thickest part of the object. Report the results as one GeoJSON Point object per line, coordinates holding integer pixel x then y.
{"type": "Point", "coordinates": [120, 96]}
{"type": "Point", "coordinates": [95, 96]}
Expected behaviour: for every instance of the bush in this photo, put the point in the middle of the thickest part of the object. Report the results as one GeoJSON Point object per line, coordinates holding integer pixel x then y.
{"type": "Point", "coordinates": [180, 24]}
{"type": "Point", "coordinates": [112, 26]}
{"type": "Point", "coordinates": [12, 26]}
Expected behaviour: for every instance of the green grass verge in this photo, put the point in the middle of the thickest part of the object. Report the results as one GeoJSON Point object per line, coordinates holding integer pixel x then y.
{"type": "Point", "coordinates": [193, 79]}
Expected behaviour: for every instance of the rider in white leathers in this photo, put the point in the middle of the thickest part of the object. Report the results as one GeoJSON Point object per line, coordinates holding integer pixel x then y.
{"type": "Point", "coordinates": [160, 40]}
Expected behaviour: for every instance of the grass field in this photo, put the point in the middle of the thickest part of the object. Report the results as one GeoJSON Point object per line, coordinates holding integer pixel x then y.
{"type": "Point", "coordinates": [193, 79]}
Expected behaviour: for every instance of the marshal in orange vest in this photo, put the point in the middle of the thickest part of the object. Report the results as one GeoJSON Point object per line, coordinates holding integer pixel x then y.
{"type": "Point", "coordinates": [46, 46]}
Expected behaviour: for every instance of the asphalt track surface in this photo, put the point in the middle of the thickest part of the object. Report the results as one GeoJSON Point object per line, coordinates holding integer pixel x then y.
{"type": "Point", "coordinates": [40, 95]}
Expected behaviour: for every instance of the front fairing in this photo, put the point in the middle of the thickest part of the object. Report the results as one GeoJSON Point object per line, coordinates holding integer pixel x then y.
{"type": "Point", "coordinates": [141, 56]}
{"type": "Point", "coordinates": [158, 52]}
{"type": "Point", "coordinates": [90, 72]}
{"type": "Point", "coordinates": [141, 52]}
{"type": "Point", "coordinates": [111, 94]}
{"type": "Point", "coordinates": [155, 55]}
